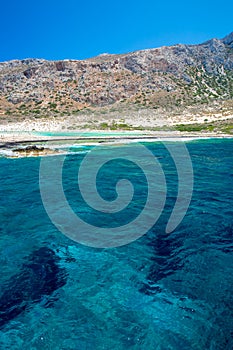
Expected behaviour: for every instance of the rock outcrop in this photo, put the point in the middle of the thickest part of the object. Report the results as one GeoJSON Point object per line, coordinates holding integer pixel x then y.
{"type": "Point", "coordinates": [179, 74]}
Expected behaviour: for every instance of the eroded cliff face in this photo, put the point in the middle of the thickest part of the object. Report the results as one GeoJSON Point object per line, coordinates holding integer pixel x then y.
{"type": "Point", "coordinates": [180, 74]}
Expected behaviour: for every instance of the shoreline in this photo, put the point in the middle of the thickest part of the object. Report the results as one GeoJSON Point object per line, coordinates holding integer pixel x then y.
{"type": "Point", "coordinates": [38, 136]}
{"type": "Point", "coordinates": [50, 137]}
{"type": "Point", "coordinates": [32, 144]}
{"type": "Point", "coordinates": [100, 136]}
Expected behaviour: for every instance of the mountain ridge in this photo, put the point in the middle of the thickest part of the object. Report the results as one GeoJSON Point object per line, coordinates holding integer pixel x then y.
{"type": "Point", "coordinates": [226, 39]}
{"type": "Point", "coordinates": [177, 75]}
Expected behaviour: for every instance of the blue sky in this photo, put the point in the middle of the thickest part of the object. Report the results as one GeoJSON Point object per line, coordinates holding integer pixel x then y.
{"type": "Point", "coordinates": [81, 29]}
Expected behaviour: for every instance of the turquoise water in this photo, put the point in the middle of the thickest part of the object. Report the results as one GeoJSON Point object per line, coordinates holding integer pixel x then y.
{"type": "Point", "coordinates": [87, 133]}
{"type": "Point", "coordinates": [75, 134]}
{"type": "Point", "coordinates": [160, 292]}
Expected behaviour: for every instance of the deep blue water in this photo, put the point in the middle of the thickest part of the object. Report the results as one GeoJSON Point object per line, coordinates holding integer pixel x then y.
{"type": "Point", "coordinates": [163, 291]}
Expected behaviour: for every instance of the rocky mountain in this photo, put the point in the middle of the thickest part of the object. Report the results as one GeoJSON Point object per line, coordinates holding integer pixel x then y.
{"type": "Point", "coordinates": [178, 75]}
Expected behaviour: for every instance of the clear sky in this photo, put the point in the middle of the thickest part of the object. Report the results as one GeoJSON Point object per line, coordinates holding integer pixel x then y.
{"type": "Point", "coordinates": [80, 29]}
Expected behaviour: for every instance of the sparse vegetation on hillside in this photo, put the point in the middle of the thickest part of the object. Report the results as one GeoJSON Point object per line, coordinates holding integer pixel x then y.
{"type": "Point", "coordinates": [164, 81]}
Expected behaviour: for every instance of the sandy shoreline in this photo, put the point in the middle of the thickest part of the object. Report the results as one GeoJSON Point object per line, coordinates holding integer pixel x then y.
{"type": "Point", "coordinates": [52, 136]}
{"type": "Point", "coordinates": [103, 136]}
{"type": "Point", "coordinates": [20, 146]}
{"type": "Point", "coordinates": [17, 132]}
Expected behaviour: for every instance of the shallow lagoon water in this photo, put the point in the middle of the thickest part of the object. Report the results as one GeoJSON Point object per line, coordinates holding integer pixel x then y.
{"type": "Point", "coordinates": [160, 292]}
{"type": "Point", "coordinates": [87, 133]}
{"type": "Point", "coordinates": [73, 133]}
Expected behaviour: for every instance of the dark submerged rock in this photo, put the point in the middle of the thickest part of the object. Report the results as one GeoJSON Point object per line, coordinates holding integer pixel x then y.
{"type": "Point", "coordinates": [39, 277]}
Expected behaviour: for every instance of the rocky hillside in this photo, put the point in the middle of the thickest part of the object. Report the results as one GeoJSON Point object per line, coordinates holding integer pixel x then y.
{"type": "Point", "coordinates": [178, 75]}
